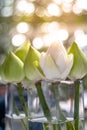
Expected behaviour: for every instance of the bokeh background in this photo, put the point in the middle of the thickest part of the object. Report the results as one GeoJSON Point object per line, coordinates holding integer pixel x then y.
{"type": "Point", "coordinates": [43, 22]}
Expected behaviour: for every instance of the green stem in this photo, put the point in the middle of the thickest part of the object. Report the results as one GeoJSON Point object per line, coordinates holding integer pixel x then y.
{"type": "Point", "coordinates": [45, 126]}
{"type": "Point", "coordinates": [24, 123]}
{"type": "Point", "coordinates": [69, 126]}
{"type": "Point", "coordinates": [44, 105]}
{"type": "Point", "coordinates": [76, 104]}
{"type": "Point", "coordinates": [22, 100]}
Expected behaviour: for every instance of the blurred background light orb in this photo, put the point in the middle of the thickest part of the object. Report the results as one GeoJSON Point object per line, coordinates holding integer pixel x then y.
{"type": "Point", "coordinates": [37, 42]}
{"type": "Point", "coordinates": [76, 9]}
{"type": "Point", "coordinates": [8, 2]}
{"type": "Point", "coordinates": [81, 4]}
{"type": "Point", "coordinates": [25, 7]}
{"type": "Point", "coordinates": [80, 38]}
{"type": "Point", "coordinates": [22, 27]}
{"type": "Point", "coordinates": [63, 34]}
{"type": "Point", "coordinates": [53, 10]}
{"type": "Point", "coordinates": [7, 11]}
{"type": "Point", "coordinates": [18, 39]}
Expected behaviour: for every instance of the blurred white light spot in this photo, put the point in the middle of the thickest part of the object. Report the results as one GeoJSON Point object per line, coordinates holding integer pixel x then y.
{"type": "Point", "coordinates": [23, 27]}
{"type": "Point", "coordinates": [80, 38]}
{"type": "Point", "coordinates": [67, 8]}
{"type": "Point", "coordinates": [37, 42]}
{"type": "Point", "coordinates": [49, 27]}
{"type": "Point", "coordinates": [7, 11]}
{"type": "Point", "coordinates": [53, 26]}
{"type": "Point", "coordinates": [62, 34]}
{"type": "Point", "coordinates": [78, 32]}
{"type": "Point", "coordinates": [54, 10]}
{"type": "Point", "coordinates": [82, 4]}
{"type": "Point", "coordinates": [76, 9]}
{"type": "Point", "coordinates": [48, 39]}
{"type": "Point", "coordinates": [67, 1]}
{"type": "Point", "coordinates": [25, 7]}
{"type": "Point", "coordinates": [18, 39]}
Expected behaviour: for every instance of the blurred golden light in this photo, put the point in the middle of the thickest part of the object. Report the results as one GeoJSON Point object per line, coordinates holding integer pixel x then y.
{"type": "Point", "coordinates": [25, 7]}
{"type": "Point", "coordinates": [54, 10]}
{"type": "Point", "coordinates": [7, 11]}
{"type": "Point", "coordinates": [37, 42]}
{"type": "Point", "coordinates": [18, 39]}
{"type": "Point", "coordinates": [58, 1]}
{"type": "Point", "coordinates": [40, 11]}
{"type": "Point", "coordinates": [44, 27]}
{"type": "Point", "coordinates": [23, 27]}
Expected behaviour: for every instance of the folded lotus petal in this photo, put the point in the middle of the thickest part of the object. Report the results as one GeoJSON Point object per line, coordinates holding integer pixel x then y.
{"type": "Point", "coordinates": [22, 51]}
{"type": "Point", "coordinates": [79, 68]}
{"type": "Point", "coordinates": [58, 53]}
{"type": "Point", "coordinates": [69, 64]}
{"type": "Point", "coordinates": [56, 63]}
{"type": "Point", "coordinates": [12, 69]}
{"type": "Point", "coordinates": [50, 69]}
{"type": "Point", "coordinates": [32, 65]}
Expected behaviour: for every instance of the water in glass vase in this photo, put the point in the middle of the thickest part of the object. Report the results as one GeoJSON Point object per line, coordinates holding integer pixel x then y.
{"type": "Point", "coordinates": [16, 108]}
{"type": "Point", "coordinates": [55, 125]}
{"type": "Point", "coordinates": [53, 104]}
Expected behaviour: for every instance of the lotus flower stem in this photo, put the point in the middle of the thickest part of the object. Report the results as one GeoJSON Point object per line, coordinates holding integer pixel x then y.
{"type": "Point", "coordinates": [20, 92]}
{"type": "Point", "coordinates": [76, 104]}
{"type": "Point", "coordinates": [44, 105]}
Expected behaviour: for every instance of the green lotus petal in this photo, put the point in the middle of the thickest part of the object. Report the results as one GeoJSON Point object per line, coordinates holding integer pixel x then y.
{"type": "Point", "coordinates": [38, 68]}
{"type": "Point", "coordinates": [30, 67]}
{"type": "Point", "coordinates": [79, 68]}
{"type": "Point", "coordinates": [12, 68]}
{"type": "Point", "coordinates": [22, 51]}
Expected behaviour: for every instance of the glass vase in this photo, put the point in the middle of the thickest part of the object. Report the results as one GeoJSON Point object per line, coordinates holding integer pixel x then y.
{"type": "Point", "coordinates": [16, 107]}
{"type": "Point", "coordinates": [58, 105]}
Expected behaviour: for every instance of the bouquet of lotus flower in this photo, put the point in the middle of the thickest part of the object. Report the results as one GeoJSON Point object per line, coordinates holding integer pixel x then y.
{"type": "Point", "coordinates": [50, 79]}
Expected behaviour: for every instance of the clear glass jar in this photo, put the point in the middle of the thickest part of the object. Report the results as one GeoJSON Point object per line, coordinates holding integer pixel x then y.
{"type": "Point", "coordinates": [58, 105]}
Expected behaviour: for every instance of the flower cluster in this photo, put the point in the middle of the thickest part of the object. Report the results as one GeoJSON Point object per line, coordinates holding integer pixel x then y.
{"type": "Point", "coordinates": [56, 63]}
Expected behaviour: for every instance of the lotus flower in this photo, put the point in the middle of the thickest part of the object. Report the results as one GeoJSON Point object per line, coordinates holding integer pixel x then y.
{"type": "Point", "coordinates": [56, 63]}
{"type": "Point", "coordinates": [79, 68]}
{"type": "Point", "coordinates": [22, 51]}
{"type": "Point", "coordinates": [32, 65]}
{"type": "Point", "coordinates": [12, 68]}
